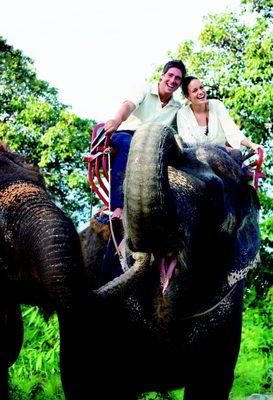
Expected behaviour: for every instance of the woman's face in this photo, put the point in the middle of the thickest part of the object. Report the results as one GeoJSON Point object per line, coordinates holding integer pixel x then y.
{"type": "Point", "coordinates": [197, 93]}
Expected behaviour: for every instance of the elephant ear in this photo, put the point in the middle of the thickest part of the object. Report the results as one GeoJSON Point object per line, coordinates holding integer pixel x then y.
{"type": "Point", "coordinates": [247, 242]}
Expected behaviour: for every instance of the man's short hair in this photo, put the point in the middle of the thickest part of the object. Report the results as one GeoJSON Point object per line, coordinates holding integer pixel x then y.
{"type": "Point", "coordinates": [175, 64]}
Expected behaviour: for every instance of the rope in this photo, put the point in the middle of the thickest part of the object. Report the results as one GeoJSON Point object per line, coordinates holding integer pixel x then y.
{"type": "Point", "coordinates": [110, 219]}
{"type": "Point", "coordinates": [91, 200]}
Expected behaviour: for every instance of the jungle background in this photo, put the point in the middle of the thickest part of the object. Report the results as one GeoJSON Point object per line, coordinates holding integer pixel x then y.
{"type": "Point", "coordinates": [234, 58]}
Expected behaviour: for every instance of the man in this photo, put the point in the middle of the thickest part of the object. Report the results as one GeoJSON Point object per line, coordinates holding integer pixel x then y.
{"type": "Point", "coordinates": [155, 103]}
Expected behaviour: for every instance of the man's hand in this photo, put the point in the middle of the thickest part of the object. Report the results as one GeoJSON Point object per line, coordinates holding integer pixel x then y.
{"type": "Point", "coordinates": [111, 125]}
{"type": "Point", "coordinates": [123, 113]}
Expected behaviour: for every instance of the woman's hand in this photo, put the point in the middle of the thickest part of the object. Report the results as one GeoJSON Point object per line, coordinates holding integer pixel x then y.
{"type": "Point", "coordinates": [4, 147]}
{"type": "Point", "coordinates": [255, 147]}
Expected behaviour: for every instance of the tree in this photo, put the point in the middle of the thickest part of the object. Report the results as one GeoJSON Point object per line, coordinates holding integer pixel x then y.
{"type": "Point", "coordinates": [263, 7]}
{"type": "Point", "coordinates": [35, 123]}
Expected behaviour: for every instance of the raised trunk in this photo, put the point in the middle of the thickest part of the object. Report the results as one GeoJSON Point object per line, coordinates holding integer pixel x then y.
{"type": "Point", "coordinates": [150, 212]}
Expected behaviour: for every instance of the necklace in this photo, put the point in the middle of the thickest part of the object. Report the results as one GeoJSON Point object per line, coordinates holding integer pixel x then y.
{"type": "Point", "coordinates": [207, 128]}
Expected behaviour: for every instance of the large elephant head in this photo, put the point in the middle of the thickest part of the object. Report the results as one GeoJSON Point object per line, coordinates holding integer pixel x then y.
{"type": "Point", "coordinates": [191, 229]}
{"type": "Point", "coordinates": [40, 264]}
{"type": "Point", "coordinates": [194, 204]}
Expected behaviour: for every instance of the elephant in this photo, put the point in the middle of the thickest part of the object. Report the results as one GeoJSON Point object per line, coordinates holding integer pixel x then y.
{"type": "Point", "coordinates": [173, 318]}
{"type": "Point", "coordinates": [41, 264]}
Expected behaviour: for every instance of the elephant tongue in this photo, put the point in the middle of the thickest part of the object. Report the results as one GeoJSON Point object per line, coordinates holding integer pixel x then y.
{"type": "Point", "coordinates": [167, 265]}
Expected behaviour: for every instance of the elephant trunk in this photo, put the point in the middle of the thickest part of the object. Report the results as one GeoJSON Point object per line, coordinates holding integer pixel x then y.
{"type": "Point", "coordinates": [48, 248]}
{"type": "Point", "coordinates": [150, 211]}
{"type": "Point", "coordinates": [128, 281]}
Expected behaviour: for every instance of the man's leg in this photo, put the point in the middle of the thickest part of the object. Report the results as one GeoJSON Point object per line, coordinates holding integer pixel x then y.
{"type": "Point", "coordinates": [120, 141]}
{"type": "Point", "coordinates": [111, 267]}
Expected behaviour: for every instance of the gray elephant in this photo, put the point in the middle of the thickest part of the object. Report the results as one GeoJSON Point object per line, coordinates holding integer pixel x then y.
{"type": "Point", "coordinates": [40, 264]}
{"type": "Point", "coordinates": [173, 319]}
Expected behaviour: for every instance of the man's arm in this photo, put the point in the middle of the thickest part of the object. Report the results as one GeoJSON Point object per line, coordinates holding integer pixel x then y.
{"type": "Point", "coordinates": [123, 113]}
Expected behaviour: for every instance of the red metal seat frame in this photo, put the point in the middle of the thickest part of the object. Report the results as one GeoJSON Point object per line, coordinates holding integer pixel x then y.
{"type": "Point", "coordinates": [98, 163]}
{"type": "Point", "coordinates": [254, 168]}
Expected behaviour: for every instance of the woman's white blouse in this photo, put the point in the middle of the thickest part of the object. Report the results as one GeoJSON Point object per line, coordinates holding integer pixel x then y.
{"type": "Point", "coordinates": [221, 130]}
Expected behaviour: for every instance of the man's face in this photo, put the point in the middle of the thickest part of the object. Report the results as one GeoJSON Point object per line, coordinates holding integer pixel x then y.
{"type": "Point", "coordinates": [171, 81]}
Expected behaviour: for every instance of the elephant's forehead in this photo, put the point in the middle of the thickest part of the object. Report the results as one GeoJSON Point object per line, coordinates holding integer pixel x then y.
{"type": "Point", "coordinates": [178, 180]}
{"type": "Point", "coordinates": [202, 155]}
{"type": "Point", "coordinates": [17, 190]}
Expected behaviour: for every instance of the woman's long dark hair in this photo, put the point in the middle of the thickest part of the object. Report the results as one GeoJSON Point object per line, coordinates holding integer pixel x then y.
{"type": "Point", "coordinates": [185, 84]}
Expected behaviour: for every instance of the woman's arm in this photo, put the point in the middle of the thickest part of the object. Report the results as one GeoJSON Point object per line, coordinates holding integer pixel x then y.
{"type": "Point", "coordinates": [233, 134]}
{"type": "Point", "coordinates": [184, 126]}
{"type": "Point", "coordinates": [253, 146]}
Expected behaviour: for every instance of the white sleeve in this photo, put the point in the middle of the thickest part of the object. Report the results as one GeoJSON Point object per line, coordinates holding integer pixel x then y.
{"type": "Point", "coordinates": [137, 96]}
{"type": "Point", "coordinates": [232, 132]}
{"type": "Point", "coordinates": [184, 128]}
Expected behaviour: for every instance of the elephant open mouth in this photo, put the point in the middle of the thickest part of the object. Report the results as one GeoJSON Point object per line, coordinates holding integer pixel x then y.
{"type": "Point", "coordinates": [167, 265]}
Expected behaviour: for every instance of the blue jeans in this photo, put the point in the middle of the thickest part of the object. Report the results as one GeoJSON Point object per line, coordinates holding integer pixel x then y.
{"type": "Point", "coordinates": [120, 141]}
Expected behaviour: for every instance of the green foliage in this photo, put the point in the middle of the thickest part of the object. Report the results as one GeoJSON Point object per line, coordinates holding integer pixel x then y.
{"type": "Point", "coordinates": [18, 83]}
{"type": "Point", "coordinates": [36, 124]}
{"type": "Point", "coordinates": [267, 243]}
{"type": "Point", "coordinates": [254, 370]}
{"type": "Point", "coordinates": [263, 7]}
{"type": "Point", "coordinates": [35, 375]}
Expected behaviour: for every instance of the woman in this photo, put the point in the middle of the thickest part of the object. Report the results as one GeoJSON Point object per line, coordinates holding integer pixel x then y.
{"type": "Point", "coordinates": [208, 121]}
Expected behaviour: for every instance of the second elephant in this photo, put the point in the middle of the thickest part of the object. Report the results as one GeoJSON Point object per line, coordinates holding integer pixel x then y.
{"type": "Point", "coordinates": [40, 264]}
